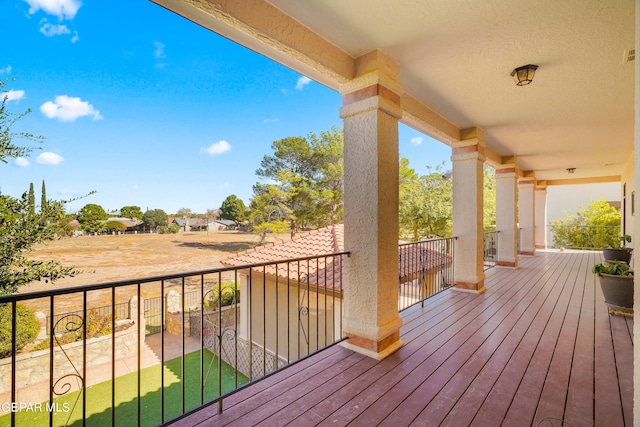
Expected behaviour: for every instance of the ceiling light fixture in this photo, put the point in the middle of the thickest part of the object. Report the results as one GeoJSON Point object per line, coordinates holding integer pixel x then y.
{"type": "Point", "coordinates": [571, 170]}
{"type": "Point", "coordinates": [524, 75]}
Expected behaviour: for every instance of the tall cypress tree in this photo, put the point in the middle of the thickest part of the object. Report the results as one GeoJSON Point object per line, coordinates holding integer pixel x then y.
{"type": "Point", "coordinates": [31, 200]}
{"type": "Point", "coordinates": [43, 200]}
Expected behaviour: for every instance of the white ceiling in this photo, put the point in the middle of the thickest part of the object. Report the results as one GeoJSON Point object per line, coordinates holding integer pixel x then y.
{"type": "Point", "coordinates": [456, 57]}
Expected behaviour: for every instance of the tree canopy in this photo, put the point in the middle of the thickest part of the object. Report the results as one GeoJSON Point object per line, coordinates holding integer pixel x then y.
{"type": "Point", "coordinates": [303, 185]}
{"type": "Point", "coordinates": [8, 147]}
{"type": "Point", "coordinates": [133, 212]}
{"type": "Point", "coordinates": [20, 226]}
{"type": "Point", "coordinates": [425, 205]}
{"type": "Point", "coordinates": [233, 208]}
{"type": "Point", "coordinates": [91, 216]}
{"type": "Point", "coordinates": [597, 226]}
{"type": "Point", "coordinates": [155, 218]}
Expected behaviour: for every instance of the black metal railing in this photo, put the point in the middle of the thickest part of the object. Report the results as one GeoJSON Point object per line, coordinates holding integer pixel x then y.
{"type": "Point", "coordinates": [245, 323]}
{"type": "Point", "coordinates": [490, 249]}
{"type": "Point", "coordinates": [425, 269]}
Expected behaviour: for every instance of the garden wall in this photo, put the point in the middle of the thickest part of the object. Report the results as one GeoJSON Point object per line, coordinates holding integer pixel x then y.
{"type": "Point", "coordinates": [33, 367]}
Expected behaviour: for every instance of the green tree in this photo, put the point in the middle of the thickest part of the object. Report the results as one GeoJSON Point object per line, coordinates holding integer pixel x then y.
{"type": "Point", "coordinates": [425, 205]}
{"type": "Point", "coordinates": [594, 227]}
{"type": "Point", "coordinates": [20, 230]}
{"type": "Point", "coordinates": [305, 176]}
{"type": "Point", "coordinates": [489, 206]}
{"type": "Point", "coordinates": [155, 218]}
{"type": "Point", "coordinates": [20, 227]}
{"type": "Point", "coordinates": [133, 212]}
{"type": "Point", "coordinates": [186, 212]}
{"type": "Point", "coordinates": [233, 208]}
{"type": "Point", "coordinates": [114, 226]}
{"type": "Point", "coordinates": [32, 199]}
{"type": "Point", "coordinates": [8, 147]}
{"type": "Point", "coordinates": [43, 197]}
{"type": "Point", "coordinates": [91, 216]}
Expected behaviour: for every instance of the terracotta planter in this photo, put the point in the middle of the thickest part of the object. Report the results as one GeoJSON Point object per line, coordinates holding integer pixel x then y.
{"type": "Point", "coordinates": [617, 254]}
{"type": "Point", "coordinates": [618, 292]}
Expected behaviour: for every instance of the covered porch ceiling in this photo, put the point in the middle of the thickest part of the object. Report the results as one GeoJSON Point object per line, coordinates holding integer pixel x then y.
{"type": "Point", "coordinates": [455, 58]}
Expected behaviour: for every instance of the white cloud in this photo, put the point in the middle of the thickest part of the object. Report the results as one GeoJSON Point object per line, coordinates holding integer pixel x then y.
{"type": "Point", "coordinates": [68, 109]}
{"type": "Point", "coordinates": [21, 162]}
{"type": "Point", "coordinates": [66, 192]}
{"type": "Point", "coordinates": [418, 140]}
{"type": "Point", "coordinates": [49, 158]}
{"type": "Point", "coordinates": [134, 187]}
{"type": "Point", "coordinates": [51, 30]}
{"type": "Point", "coordinates": [217, 148]}
{"type": "Point", "coordinates": [158, 53]}
{"type": "Point", "coordinates": [270, 120]}
{"type": "Point", "coordinates": [302, 82]}
{"type": "Point", "coordinates": [12, 95]}
{"type": "Point", "coordinates": [6, 70]}
{"type": "Point", "coordinates": [223, 186]}
{"type": "Point", "coordinates": [63, 9]}
{"type": "Point", "coordinates": [74, 37]}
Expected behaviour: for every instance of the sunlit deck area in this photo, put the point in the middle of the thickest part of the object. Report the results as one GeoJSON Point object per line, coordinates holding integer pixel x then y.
{"type": "Point", "coordinates": [537, 348]}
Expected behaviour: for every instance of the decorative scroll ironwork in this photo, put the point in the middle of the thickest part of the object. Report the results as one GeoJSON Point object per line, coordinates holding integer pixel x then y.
{"type": "Point", "coordinates": [70, 323]}
{"type": "Point", "coordinates": [220, 323]}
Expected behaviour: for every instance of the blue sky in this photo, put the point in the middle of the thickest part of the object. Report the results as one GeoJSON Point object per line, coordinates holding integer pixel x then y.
{"type": "Point", "coordinates": [149, 109]}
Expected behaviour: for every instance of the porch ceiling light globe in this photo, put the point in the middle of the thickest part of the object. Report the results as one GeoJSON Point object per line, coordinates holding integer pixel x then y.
{"type": "Point", "coordinates": [524, 75]}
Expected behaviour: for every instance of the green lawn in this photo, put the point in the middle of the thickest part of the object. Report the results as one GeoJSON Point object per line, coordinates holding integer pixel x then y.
{"type": "Point", "coordinates": [99, 396]}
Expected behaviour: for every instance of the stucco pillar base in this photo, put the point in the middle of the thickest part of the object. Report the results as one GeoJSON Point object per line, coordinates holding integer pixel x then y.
{"type": "Point", "coordinates": [541, 246]}
{"type": "Point", "coordinates": [375, 342]}
{"type": "Point", "coordinates": [475, 288]}
{"type": "Point", "coordinates": [507, 264]}
{"type": "Point", "coordinates": [375, 349]}
{"type": "Point", "coordinates": [528, 253]}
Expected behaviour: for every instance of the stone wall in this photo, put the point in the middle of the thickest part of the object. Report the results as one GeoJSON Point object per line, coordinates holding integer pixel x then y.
{"type": "Point", "coordinates": [33, 367]}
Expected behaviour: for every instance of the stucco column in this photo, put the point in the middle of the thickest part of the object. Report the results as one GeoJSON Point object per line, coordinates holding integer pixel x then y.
{"type": "Point", "coordinates": [526, 215]}
{"type": "Point", "coordinates": [507, 215]}
{"type": "Point", "coordinates": [468, 160]}
{"type": "Point", "coordinates": [371, 109]}
{"type": "Point", "coordinates": [541, 215]}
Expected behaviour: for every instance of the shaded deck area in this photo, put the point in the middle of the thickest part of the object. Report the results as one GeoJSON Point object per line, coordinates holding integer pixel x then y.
{"type": "Point", "coordinates": [537, 348]}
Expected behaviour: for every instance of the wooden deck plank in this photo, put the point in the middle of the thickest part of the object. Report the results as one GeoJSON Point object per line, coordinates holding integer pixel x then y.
{"type": "Point", "coordinates": [535, 356]}
{"type": "Point", "coordinates": [623, 352]}
{"type": "Point", "coordinates": [477, 347]}
{"type": "Point", "coordinates": [579, 405]}
{"type": "Point", "coordinates": [413, 352]}
{"type": "Point", "coordinates": [440, 406]}
{"type": "Point", "coordinates": [539, 343]}
{"type": "Point", "coordinates": [486, 391]}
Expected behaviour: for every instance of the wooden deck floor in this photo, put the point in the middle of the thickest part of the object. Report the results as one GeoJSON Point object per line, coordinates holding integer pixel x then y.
{"type": "Point", "coordinates": [538, 347]}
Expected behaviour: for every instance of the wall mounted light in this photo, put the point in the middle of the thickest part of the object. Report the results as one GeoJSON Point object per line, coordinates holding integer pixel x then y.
{"type": "Point", "coordinates": [571, 170]}
{"type": "Point", "coordinates": [524, 75]}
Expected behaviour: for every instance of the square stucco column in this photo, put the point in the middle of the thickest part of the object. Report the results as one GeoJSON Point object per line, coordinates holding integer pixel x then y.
{"type": "Point", "coordinates": [468, 161]}
{"type": "Point", "coordinates": [371, 109]}
{"type": "Point", "coordinates": [507, 216]}
{"type": "Point", "coordinates": [526, 215]}
{"type": "Point", "coordinates": [541, 215]}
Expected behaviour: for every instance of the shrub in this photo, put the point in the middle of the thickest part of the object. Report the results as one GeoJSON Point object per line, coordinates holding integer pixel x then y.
{"type": "Point", "coordinates": [27, 328]}
{"type": "Point", "coordinates": [223, 294]}
{"type": "Point", "coordinates": [97, 326]}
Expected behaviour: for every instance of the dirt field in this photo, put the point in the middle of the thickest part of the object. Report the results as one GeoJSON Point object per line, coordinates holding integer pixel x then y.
{"type": "Point", "coordinates": [110, 258]}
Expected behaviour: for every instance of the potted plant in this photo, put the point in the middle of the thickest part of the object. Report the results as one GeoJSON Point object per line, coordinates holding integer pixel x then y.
{"type": "Point", "coordinates": [621, 253]}
{"type": "Point", "coordinates": [616, 282]}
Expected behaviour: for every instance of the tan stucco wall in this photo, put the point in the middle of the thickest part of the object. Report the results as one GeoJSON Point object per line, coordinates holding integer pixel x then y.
{"type": "Point", "coordinates": [276, 317]}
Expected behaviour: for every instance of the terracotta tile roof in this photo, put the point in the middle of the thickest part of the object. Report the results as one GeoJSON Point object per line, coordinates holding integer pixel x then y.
{"type": "Point", "coordinates": [326, 272]}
